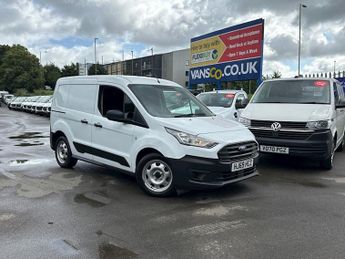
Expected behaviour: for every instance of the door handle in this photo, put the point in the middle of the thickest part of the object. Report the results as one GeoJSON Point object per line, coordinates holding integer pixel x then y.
{"type": "Point", "coordinates": [98, 125]}
{"type": "Point", "coordinates": [84, 121]}
{"type": "Point", "coordinates": [235, 115]}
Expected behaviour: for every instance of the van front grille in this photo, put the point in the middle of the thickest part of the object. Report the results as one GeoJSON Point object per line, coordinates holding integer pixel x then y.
{"type": "Point", "coordinates": [238, 151]}
{"type": "Point", "coordinates": [280, 134]}
{"type": "Point", "coordinates": [284, 124]}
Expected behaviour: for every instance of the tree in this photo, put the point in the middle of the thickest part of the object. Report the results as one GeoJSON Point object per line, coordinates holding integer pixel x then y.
{"type": "Point", "coordinates": [70, 70]}
{"type": "Point", "coordinates": [20, 69]}
{"type": "Point", "coordinates": [51, 74]}
{"type": "Point", "coordinates": [276, 74]}
{"type": "Point", "coordinates": [100, 70]}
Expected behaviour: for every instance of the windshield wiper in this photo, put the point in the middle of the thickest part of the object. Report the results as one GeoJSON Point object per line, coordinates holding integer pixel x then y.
{"type": "Point", "coordinates": [190, 115]}
{"type": "Point", "coordinates": [312, 103]}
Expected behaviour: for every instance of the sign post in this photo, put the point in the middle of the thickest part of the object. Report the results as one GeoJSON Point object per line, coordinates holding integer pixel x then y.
{"type": "Point", "coordinates": [231, 54]}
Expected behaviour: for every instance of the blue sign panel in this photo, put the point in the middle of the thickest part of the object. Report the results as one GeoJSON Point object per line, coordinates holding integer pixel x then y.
{"type": "Point", "coordinates": [230, 54]}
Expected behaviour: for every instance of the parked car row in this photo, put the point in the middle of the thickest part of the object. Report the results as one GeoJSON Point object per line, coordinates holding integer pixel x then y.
{"type": "Point", "coordinates": [33, 104]}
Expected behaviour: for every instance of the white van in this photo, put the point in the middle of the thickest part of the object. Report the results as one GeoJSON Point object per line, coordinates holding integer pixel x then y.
{"type": "Point", "coordinates": [228, 104]}
{"type": "Point", "coordinates": [298, 117]}
{"type": "Point", "coordinates": [149, 127]}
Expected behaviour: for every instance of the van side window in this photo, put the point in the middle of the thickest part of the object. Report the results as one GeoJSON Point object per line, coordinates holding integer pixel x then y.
{"type": "Point", "coordinates": [112, 98]}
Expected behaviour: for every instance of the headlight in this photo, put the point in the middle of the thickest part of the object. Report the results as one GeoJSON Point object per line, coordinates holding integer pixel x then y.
{"type": "Point", "coordinates": [191, 140]}
{"type": "Point", "coordinates": [318, 124]}
{"type": "Point", "coordinates": [244, 121]}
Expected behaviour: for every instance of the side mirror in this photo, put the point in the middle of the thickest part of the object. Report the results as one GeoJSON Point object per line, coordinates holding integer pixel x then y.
{"type": "Point", "coordinates": [115, 115]}
{"type": "Point", "coordinates": [242, 104]}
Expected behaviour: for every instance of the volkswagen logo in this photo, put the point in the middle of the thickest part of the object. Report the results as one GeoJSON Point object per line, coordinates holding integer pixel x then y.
{"type": "Point", "coordinates": [276, 126]}
{"type": "Point", "coordinates": [241, 148]}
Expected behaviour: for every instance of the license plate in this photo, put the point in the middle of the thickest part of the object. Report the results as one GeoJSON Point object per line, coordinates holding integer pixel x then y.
{"type": "Point", "coordinates": [241, 165]}
{"type": "Point", "coordinates": [274, 149]}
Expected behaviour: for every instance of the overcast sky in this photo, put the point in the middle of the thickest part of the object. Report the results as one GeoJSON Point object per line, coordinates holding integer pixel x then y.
{"type": "Point", "coordinates": [63, 30]}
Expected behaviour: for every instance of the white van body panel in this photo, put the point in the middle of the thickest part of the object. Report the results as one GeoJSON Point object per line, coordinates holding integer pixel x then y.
{"type": "Point", "coordinates": [288, 112]}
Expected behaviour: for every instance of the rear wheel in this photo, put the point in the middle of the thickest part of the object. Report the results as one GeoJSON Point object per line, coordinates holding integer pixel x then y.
{"type": "Point", "coordinates": [63, 153]}
{"type": "Point", "coordinates": [155, 176]}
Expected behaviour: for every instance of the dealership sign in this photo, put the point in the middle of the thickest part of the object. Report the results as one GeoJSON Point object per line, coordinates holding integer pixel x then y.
{"type": "Point", "coordinates": [230, 54]}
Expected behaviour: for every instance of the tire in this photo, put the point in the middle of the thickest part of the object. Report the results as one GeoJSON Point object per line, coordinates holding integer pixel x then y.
{"type": "Point", "coordinates": [63, 153]}
{"type": "Point", "coordinates": [327, 164]}
{"type": "Point", "coordinates": [342, 145]}
{"type": "Point", "coordinates": [155, 176]}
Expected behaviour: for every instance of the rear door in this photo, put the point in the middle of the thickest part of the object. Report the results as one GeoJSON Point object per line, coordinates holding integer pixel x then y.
{"type": "Point", "coordinates": [78, 116]}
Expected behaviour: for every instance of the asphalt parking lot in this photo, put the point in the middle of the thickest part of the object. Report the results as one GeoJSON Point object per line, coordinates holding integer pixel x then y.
{"type": "Point", "coordinates": [292, 210]}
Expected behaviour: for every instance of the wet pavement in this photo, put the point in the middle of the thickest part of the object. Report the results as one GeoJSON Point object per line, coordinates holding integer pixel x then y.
{"type": "Point", "coordinates": [292, 210]}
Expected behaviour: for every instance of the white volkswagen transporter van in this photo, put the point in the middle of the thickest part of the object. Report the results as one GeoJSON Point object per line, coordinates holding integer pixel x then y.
{"type": "Point", "coordinates": [298, 117]}
{"type": "Point", "coordinates": [151, 128]}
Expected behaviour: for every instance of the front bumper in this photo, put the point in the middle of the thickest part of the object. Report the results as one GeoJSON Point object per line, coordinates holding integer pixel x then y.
{"type": "Point", "coordinates": [204, 173]}
{"type": "Point", "coordinates": [317, 146]}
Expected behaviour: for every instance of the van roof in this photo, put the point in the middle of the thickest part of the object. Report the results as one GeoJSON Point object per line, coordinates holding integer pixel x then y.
{"type": "Point", "coordinates": [301, 78]}
{"type": "Point", "coordinates": [120, 79]}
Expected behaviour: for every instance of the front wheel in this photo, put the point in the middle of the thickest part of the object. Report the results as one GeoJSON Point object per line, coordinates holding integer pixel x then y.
{"type": "Point", "coordinates": [155, 176]}
{"type": "Point", "coordinates": [63, 153]}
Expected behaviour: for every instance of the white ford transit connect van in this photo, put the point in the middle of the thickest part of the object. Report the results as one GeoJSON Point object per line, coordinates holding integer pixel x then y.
{"type": "Point", "coordinates": [149, 127]}
{"type": "Point", "coordinates": [298, 117]}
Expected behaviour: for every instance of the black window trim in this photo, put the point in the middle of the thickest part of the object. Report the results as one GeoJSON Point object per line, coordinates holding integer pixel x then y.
{"type": "Point", "coordinates": [132, 122]}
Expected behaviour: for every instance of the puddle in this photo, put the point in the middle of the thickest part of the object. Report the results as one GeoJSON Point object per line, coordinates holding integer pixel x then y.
{"type": "Point", "coordinates": [28, 144]}
{"type": "Point", "coordinates": [5, 217]}
{"type": "Point", "coordinates": [20, 162]}
{"type": "Point", "coordinates": [29, 187]}
{"type": "Point", "coordinates": [94, 199]}
{"type": "Point", "coordinates": [337, 180]}
{"type": "Point", "coordinates": [219, 210]}
{"type": "Point", "coordinates": [313, 184]}
{"type": "Point", "coordinates": [29, 135]}
{"type": "Point", "coordinates": [65, 248]}
{"type": "Point", "coordinates": [110, 251]}
{"type": "Point", "coordinates": [212, 228]}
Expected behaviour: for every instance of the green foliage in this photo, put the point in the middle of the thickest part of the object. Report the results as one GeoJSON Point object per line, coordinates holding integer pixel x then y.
{"type": "Point", "coordinates": [100, 70]}
{"type": "Point", "coordinates": [51, 74]}
{"type": "Point", "coordinates": [24, 92]}
{"type": "Point", "coordinates": [70, 70]}
{"type": "Point", "coordinates": [276, 74]}
{"type": "Point", "coordinates": [19, 69]}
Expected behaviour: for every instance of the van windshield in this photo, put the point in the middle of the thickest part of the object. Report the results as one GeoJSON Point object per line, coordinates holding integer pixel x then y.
{"type": "Point", "coordinates": [294, 91]}
{"type": "Point", "coordinates": [169, 101]}
{"type": "Point", "coordinates": [217, 99]}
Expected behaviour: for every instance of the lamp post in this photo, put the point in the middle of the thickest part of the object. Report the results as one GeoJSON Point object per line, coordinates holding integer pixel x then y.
{"type": "Point", "coordinates": [132, 63]}
{"type": "Point", "coordinates": [334, 66]}
{"type": "Point", "coordinates": [152, 61]}
{"type": "Point", "coordinates": [299, 36]}
{"type": "Point", "coordinates": [95, 45]}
